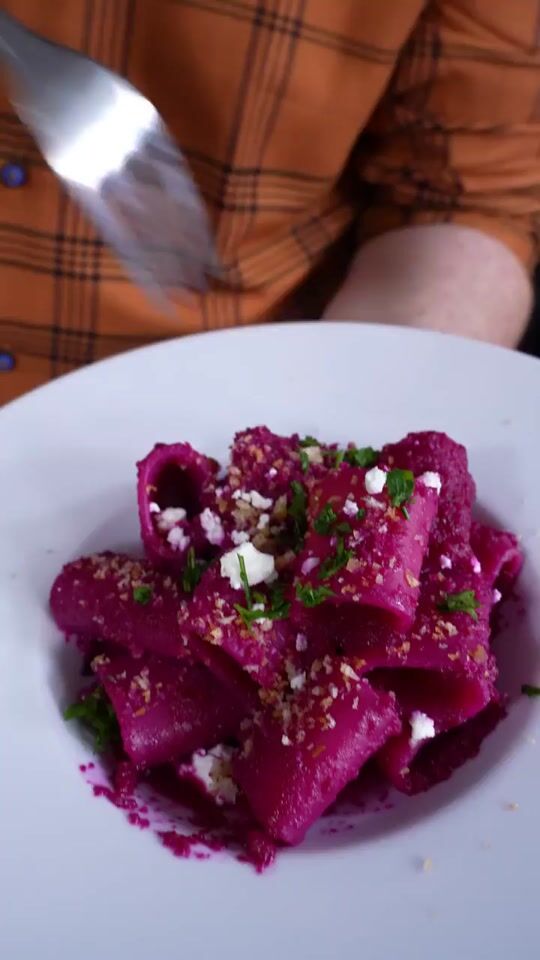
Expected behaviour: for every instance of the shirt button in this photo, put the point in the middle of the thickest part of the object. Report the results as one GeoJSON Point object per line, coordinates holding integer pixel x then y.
{"type": "Point", "coordinates": [7, 361]}
{"type": "Point", "coordinates": [13, 175]}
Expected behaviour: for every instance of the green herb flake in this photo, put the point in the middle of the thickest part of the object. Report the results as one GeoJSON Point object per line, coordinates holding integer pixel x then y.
{"type": "Point", "coordinates": [143, 594]}
{"type": "Point", "coordinates": [464, 602]}
{"type": "Point", "coordinates": [96, 713]}
{"type": "Point", "coordinates": [334, 563]}
{"type": "Point", "coordinates": [530, 690]}
{"type": "Point", "coordinates": [324, 522]}
{"type": "Point", "coordinates": [278, 609]}
{"type": "Point", "coordinates": [312, 596]}
{"type": "Point", "coordinates": [244, 580]}
{"type": "Point", "coordinates": [362, 457]}
{"type": "Point", "coordinates": [193, 571]}
{"type": "Point", "coordinates": [400, 486]}
{"type": "Point", "coordinates": [304, 460]}
{"type": "Point", "coordinates": [309, 442]}
{"type": "Point", "coordinates": [361, 514]}
{"type": "Point", "coordinates": [297, 512]}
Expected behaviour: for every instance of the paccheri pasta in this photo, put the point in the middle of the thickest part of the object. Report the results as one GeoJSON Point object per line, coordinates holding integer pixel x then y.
{"type": "Point", "coordinates": [309, 610]}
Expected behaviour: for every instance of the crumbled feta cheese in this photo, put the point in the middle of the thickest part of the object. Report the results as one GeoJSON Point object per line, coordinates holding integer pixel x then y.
{"type": "Point", "coordinates": [178, 539]}
{"type": "Point", "coordinates": [497, 596]}
{"type": "Point", "coordinates": [254, 498]}
{"type": "Point", "coordinates": [431, 479]}
{"type": "Point", "coordinates": [476, 565]}
{"type": "Point", "coordinates": [297, 681]}
{"type": "Point", "coordinates": [374, 504]}
{"type": "Point", "coordinates": [314, 454]}
{"type": "Point", "coordinates": [213, 768]}
{"type": "Point", "coordinates": [260, 567]}
{"type": "Point", "coordinates": [422, 727]}
{"type": "Point", "coordinates": [239, 536]}
{"type": "Point", "coordinates": [154, 507]}
{"type": "Point", "coordinates": [169, 517]}
{"type": "Point", "coordinates": [446, 563]}
{"type": "Point", "coordinates": [301, 642]}
{"type": "Point", "coordinates": [330, 722]}
{"type": "Point", "coordinates": [272, 472]}
{"type": "Point", "coordinates": [375, 480]}
{"type": "Point", "coordinates": [212, 526]}
{"type": "Point", "coordinates": [350, 507]}
{"type": "Point", "coordinates": [286, 741]}
{"type": "Point", "coordinates": [263, 522]}
{"type": "Point", "coordinates": [348, 671]}
{"type": "Point", "coordinates": [309, 565]}
{"type": "Point", "coordinates": [333, 691]}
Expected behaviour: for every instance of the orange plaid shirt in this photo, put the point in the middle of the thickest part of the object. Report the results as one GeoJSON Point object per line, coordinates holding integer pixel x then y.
{"type": "Point", "coordinates": [305, 122]}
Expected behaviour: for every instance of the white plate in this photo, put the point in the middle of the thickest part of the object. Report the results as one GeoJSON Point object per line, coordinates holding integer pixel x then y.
{"type": "Point", "coordinates": [76, 880]}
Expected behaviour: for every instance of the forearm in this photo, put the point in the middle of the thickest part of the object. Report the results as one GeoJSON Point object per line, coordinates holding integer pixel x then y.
{"type": "Point", "coordinates": [442, 277]}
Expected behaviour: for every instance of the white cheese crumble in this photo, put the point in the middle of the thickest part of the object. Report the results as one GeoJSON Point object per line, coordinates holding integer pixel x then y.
{"type": "Point", "coordinates": [154, 507]}
{"type": "Point", "coordinates": [432, 480]}
{"type": "Point", "coordinates": [297, 681]}
{"type": "Point", "coordinates": [255, 499]}
{"type": "Point", "coordinates": [271, 473]}
{"type": "Point", "coordinates": [213, 770]}
{"type": "Point", "coordinates": [169, 517]}
{"type": "Point", "coordinates": [497, 596]}
{"type": "Point", "coordinates": [301, 642]}
{"type": "Point", "coordinates": [178, 539]}
{"type": "Point", "coordinates": [286, 741]}
{"type": "Point", "coordinates": [350, 507]}
{"type": "Point", "coordinates": [375, 480]}
{"type": "Point", "coordinates": [422, 727]}
{"type": "Point", "coordinates": [239, 536]}
{"type": "Point", "coordinates": [314, 454]}
{"type": "Point", "coordinates": [309, 565]}
{"type": "Point", "coordinates": [260, 567]}
{"type": "Point", "coordinates": [263, 521]}
{"type": "Point", "coordinates": [212, 526]}
{"type": "Point", "coordinates": [375, 504]}
{"type": "Point", "coordinates": [446, 563]}
{"type": "Point", "coordinates": [476, 565]}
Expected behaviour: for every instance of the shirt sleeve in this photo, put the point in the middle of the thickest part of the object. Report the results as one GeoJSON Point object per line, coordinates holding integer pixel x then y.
{"type": "Point", "coordinates": [456, 137]}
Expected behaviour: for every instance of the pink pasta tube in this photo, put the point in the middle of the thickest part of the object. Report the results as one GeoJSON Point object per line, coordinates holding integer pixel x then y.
{"type": "Point", "coordinates": [125, 601]}
{"type": "Point", "coordinates": [175, 485]}
{"type": "Point", "coordinates": [363, 549]}
{"type": "Point", "coordinates": [307, 747]}
{"type": "Point", "coordinates": [167, 709]}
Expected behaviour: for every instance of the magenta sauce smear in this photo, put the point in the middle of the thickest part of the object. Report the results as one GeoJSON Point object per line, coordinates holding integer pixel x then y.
{"type": "Point", "coordinates": [308, 635]}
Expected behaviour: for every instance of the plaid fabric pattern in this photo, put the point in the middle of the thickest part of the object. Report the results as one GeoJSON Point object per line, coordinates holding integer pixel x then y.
{"type": "Point", "coordinates": [308, 125]}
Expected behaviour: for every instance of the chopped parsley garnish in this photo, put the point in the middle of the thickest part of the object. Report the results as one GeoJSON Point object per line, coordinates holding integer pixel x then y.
{"type": "Point", "coordinates": [193, 571]}
{"type": "Point", "coordinates": [324, 522]}
{"type": "Point", "coordinates": [312, 596]}
{"type": "Point", "coordinates": [304, 460]}
{"type": "Point", "coordinates": [354, 456]}
{"type": "Point", "coordinates": [344, 527]}
{"type": "Point", "coordinates": [361, 457]}
{"type": "Point", "coordinates": [334, 563]}
{"type": "Point", "coordinates": [400, 487]}
{"type": "Point", "coordinates": [464, 602]}
{"type": "Point", "coordinates": [361, 514]}
{"type": "Point", "coordinates": [297, 512]}
{"type": "Point", "coordinates": [244, 580]}
{"type": "Point", "coordinates": [304, 456]}
{"type": "Point", "coordinates": [530, 690]}
{"type": "Point", "coordinates": [96, 713]}
{"type": "Point", "coordinates": [278, 609]}
{"type": "Point", "coordinates": [142, 594]}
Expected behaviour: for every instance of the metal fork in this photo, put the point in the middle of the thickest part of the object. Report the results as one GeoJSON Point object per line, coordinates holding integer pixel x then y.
{"type": "Point", "coordinates": [109, 146]}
